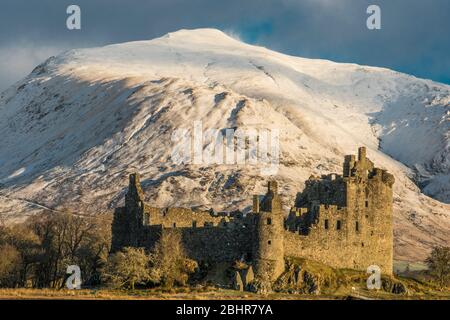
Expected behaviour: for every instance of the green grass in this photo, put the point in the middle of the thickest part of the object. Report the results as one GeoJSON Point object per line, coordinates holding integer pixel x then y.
{"type": "Point", "coordinates": [401, 266]}
{"type": "Point", "coordinates": [342, 283]}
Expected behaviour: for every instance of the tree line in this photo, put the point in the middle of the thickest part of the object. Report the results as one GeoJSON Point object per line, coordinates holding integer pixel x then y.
{"type": "Point", "coordinates": [37, 252]}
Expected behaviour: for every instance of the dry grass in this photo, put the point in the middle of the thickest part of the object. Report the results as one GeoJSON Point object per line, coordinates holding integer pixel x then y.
{"type": "Point", "coordinates": [151, 294]}
{"type": "Point", "coordinates": [337, 284]}
{"type": "Point", "coordinates": [208, 293]}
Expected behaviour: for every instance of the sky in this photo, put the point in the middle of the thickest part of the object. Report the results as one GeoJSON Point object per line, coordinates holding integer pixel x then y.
{"type": "Point", "coordinates": [414, 36]}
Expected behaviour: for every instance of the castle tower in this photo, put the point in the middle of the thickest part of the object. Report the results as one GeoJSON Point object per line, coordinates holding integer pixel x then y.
{"type": "Point", "coordinates": [368, 199]}
{"type": "Point", "coordinates": [268, 245]}
{"type": "Point", "coordinates": [134, 206]}
{"type": "Point", "coordinates": [128, 220]}
{"type": "Point", "coordinates": [379, 213]}
{"type": "Point", "coordinates": [135, 195]}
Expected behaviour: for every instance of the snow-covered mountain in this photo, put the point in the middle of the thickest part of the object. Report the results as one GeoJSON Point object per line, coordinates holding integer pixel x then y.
{"type": "Point", "coordinates": [73, 130]}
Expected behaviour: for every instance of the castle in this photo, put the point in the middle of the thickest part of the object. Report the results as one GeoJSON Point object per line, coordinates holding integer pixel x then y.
{"type": "Point", "coordinates": [344, 221]}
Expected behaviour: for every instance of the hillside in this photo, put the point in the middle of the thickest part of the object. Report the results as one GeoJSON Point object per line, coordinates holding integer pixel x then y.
{"type": "Point", "coordinates": [75, 128]}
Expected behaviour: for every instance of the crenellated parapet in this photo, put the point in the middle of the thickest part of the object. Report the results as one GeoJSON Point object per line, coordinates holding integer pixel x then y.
{"type": "Point", "coordinates": [352, 213]}
{"type": "Point", "coordinates": [344, 221]}
{"type": "Point", "coordinates": [364, 168]}
{"type": "Point", "coordinates": [186, 218]}
{"type": "Point", "coordinates": [357, 167]}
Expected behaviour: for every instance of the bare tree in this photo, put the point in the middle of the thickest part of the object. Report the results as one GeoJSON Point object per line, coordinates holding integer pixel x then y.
{"type": "Point", "coordinates": [50, 242]}
{"type": "Point", "coordinates": [9, 265]}
{"type": "Point", "coordinates": [169, 262]}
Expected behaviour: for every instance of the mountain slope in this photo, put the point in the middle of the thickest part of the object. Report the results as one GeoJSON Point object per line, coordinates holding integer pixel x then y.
{"type": "Point", "coordinates": [81, 122]}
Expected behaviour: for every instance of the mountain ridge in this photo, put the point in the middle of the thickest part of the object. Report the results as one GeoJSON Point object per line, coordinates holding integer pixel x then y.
{"type": "Point", "coordinates": [82, 121]}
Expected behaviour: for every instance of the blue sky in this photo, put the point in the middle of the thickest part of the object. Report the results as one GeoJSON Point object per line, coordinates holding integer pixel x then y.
{"type": "Point", "coordinates": [414, 37]}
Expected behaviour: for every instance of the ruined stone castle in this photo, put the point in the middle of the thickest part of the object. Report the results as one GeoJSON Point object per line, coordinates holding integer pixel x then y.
{"type": "Point", "coordinates": [344, 221]}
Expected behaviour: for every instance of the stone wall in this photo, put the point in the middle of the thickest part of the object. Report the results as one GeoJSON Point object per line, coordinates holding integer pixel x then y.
{"type": "Point", "coordinates": [344, 221]}
{"type": "Point", "coordinates": [210, 242]}
{"type": "Point", "coordinates": [184, 218]}
{"type": "Point", "coordinates": [343, 248]}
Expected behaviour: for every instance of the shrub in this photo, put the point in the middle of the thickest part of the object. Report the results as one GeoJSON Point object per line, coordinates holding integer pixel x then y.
{"type": "Point", "coordinates": [128, 267]}
{"type": "Point", "coordinates": [439, 264]}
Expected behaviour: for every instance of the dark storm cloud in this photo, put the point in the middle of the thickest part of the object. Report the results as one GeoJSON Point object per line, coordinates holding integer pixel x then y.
{"type": "Point", "coordinates": [414, 36]}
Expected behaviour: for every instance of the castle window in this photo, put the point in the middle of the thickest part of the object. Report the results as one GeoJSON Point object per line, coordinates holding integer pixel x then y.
{"type": "Point", "coordinates": [194, 224]}
{"type": "Point", "coordinates": [357, 226]}
{"type": "Point", "coordinates": [367, 203]}
{"type": "Point", "coordinates": [174, 225]}
{"type": "Point", "coordinates": [269, 221]}
{"type": "Point", "coordinates": [338, 225]}
{"type": "Point", "coordinates": [269, 242]}
{"type": "Point", "coordinates": [326, 224]}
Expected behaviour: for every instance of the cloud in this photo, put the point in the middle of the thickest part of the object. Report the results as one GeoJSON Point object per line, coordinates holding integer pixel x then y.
{"type": "Point", "coordinates": [233, 34]}
{"type": "Point", "coordinates": [19, 59]}
{"type": "Point", "coordinates": [413, 38]}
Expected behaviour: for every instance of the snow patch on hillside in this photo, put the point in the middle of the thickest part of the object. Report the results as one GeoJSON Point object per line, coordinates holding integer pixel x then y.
{"type": "Point", "coordinates": [81, 122]}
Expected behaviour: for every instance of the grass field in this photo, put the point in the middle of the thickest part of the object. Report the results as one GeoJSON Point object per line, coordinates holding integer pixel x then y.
{"type": "Point", "coordinates": [208, 293]}
{"type": "Point", "coordinates": [340, 284]}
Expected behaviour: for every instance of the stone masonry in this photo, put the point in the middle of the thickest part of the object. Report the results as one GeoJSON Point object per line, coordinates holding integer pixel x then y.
{"type": "Point", "coordinates": [344, 221]}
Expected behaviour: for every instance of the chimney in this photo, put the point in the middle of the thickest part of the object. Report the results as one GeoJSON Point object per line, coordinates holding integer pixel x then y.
{"type": "Point", "coordinates": [362, 153]}
{"type": "Point", "coordinates": [273, 186]}
{"type": "Point", "coordinates": [255, 203]}
{"type": "Point", "coordinates": [349, 162]}
{"type": "Point", "coordinates": [135, 193]}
